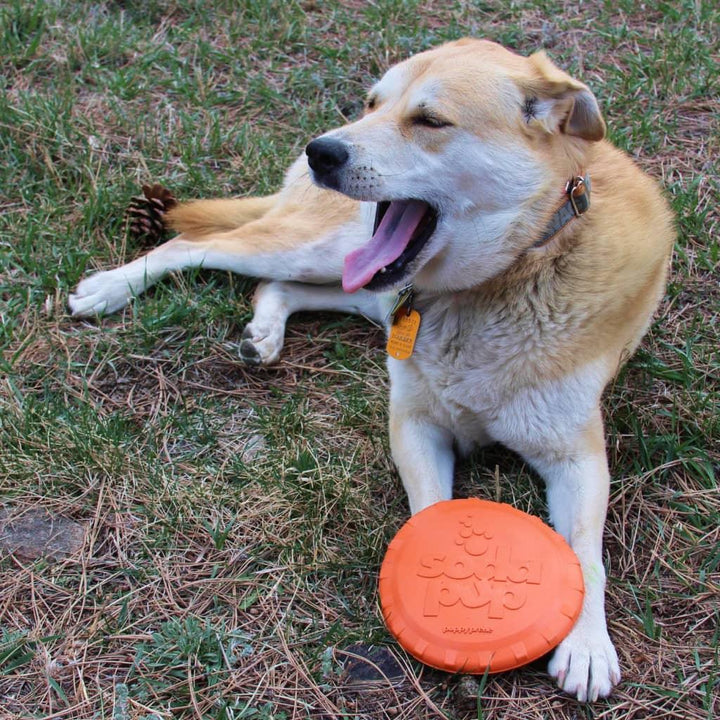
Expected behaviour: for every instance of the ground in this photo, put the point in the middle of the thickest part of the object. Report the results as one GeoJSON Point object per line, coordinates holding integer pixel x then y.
{"type": "Point", "coordinates": [222, 527]}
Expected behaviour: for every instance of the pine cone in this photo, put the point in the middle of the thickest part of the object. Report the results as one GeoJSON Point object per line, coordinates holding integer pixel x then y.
{"type": "Point", "coordinates": [146, 214]}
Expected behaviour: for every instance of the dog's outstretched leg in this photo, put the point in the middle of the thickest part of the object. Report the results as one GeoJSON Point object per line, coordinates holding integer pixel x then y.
{"type": "Point", "coordinates": [289, 243]}
{"type": "Point", "coordinates": [275, 301]}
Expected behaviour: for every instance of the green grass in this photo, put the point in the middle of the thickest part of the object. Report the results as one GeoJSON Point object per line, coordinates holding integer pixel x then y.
{"type": "Point", "coordinates": [236, 518]}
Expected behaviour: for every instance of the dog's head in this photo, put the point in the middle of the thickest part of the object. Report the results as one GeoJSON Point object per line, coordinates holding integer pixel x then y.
{"type": "Point", "coordinates": [465, 148]}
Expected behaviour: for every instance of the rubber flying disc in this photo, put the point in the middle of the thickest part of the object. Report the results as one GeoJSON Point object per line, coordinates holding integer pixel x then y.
{"type": "Point", "coordinates": [475, 586]}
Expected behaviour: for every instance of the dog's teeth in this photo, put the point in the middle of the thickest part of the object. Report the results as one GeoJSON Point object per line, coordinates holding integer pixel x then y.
{"type": "Point", "coordinates": [383, 269]}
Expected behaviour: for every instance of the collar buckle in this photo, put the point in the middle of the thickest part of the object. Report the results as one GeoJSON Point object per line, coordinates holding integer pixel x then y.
{"type": "Point", "coordinates": [578, 195]}
{"type": "Point", "coordinates": [577, 203]}
{"type": "Point", "coordinates": [403, 300]}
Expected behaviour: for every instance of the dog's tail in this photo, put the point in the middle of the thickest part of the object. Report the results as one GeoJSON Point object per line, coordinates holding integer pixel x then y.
{"type": "Point", "coordinates": [202, 217]}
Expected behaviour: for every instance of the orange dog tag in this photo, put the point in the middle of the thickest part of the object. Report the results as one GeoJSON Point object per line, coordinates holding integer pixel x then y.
{"type": "Point", "coordinates": [403, 333]}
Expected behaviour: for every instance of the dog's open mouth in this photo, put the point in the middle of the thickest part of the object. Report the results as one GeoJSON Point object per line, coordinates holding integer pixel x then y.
{"type": "Point", "coordinates": [402, 227]}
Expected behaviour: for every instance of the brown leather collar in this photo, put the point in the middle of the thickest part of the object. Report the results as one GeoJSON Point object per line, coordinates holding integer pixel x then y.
{"type": "Point", "coordinates": [577, 202]}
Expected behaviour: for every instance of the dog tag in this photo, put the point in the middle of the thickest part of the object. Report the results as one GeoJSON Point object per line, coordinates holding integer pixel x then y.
{"type": "Point", "coordinates": [403, 333]}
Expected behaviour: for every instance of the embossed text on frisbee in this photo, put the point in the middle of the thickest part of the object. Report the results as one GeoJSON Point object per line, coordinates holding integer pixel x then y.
{"type": "Point", "coordinates": [479, 574]}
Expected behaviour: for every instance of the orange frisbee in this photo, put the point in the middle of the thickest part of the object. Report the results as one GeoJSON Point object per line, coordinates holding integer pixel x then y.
{"type": "Point", "coordinates": [475, 586]}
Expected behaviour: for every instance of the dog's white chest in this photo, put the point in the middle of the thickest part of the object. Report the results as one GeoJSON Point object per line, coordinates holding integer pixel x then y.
{"type": "Point", "coordinates": [484, 379]}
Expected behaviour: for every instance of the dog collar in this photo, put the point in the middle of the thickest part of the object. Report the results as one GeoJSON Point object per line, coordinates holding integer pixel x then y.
{"type": "Point", "coordinates": [577, 202]}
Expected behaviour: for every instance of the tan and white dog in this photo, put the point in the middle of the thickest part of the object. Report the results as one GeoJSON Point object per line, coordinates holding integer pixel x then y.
{"type": "Point", "coordinates": [529, 301]}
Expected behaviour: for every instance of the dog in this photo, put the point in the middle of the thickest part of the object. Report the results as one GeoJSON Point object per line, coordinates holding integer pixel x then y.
{"type": "Point", "coordinates": [515, 256]}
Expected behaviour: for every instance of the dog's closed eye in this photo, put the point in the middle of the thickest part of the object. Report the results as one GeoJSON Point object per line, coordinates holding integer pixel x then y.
{"type": "Point", "coordinates": [428, 120]}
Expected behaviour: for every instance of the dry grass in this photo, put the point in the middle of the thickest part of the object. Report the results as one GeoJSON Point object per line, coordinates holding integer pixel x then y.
{"type": "Point", "coordinates": [234, 520]}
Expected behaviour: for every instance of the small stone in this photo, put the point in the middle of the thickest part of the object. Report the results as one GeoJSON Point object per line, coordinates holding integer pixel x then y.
{"type": "Point", "coordinates": [31, 534]}
{"type": "Point", "coordinates": [466, 692]}
{"type": "Point", "coordinates": [371, 664]}
{"type": "Point", "coordinates": [254, 447]}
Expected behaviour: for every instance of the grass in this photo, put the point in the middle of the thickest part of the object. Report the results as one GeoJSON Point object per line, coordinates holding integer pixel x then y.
{"type": "Point", "coordinates": [235, 519]}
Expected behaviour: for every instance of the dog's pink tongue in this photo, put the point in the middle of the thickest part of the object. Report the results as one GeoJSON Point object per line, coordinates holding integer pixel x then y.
{"type": "Point", "coordinates": [387, 244]}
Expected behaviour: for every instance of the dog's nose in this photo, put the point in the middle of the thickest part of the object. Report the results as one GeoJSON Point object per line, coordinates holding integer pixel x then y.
{"type": "Point", "coordinates": [326, 154]}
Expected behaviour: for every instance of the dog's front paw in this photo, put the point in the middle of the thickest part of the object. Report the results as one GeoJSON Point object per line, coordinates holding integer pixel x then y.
{"type": "Point", "coordinates": [585, 663]}
{"type": "Point", "coordinates": [261, 343]}
{"type": "Point", "coordinates": [100, 294]}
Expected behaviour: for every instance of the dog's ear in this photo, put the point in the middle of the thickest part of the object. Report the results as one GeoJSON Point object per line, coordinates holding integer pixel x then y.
{"type": "Point", "coordinates": [561, 103]}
